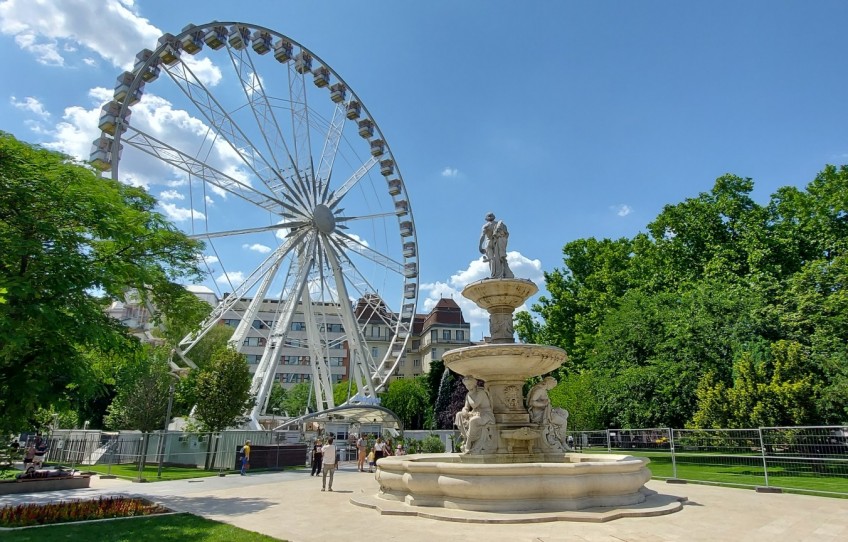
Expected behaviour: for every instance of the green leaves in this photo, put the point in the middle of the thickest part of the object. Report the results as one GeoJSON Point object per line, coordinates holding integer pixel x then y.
{"type": "Point", "coordinates": [70, 242]}
{"type": "Point", "coordinates": [725, 312]}
{"type": "Point", "coordinates": [223, 391]}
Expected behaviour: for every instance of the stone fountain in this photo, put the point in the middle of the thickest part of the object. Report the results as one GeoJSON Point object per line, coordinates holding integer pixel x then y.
{"type": "Point", "coordinates": [515, 456]}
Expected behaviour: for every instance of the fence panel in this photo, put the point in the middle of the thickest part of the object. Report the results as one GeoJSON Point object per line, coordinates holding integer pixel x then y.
{"type": "Point", "coordinates": [813, 458]}
{"type": "Point", "coordinates": [725, 456]}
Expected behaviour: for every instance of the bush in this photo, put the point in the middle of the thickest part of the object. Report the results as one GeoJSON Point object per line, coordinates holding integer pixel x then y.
{"type": "Point", "coordinates": [432, 444]}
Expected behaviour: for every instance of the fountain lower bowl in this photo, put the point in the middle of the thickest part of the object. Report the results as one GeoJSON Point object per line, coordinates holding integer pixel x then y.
{"type": "Point", "coordinates": [513, 483]}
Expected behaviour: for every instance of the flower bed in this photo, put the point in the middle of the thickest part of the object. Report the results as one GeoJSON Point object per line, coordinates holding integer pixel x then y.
{"type": "Point", "coordinates": [26, 515]}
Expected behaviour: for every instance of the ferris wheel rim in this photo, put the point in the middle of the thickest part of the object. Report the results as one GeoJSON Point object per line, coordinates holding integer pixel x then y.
{"type": "Point", "coordinates": [379, 377]}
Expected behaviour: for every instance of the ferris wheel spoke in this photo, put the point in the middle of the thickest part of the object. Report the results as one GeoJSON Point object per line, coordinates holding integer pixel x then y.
{"type": "Point", "coordinates": [302, 151]}
{"type": "Point", "coordinates": [184, 162]}
{"type": "Point", "coordinates": [336, 197]}
{"type": "Point", "coordinates": [363, 217]}
{"type": "Point", "coordinates": [367, 252]}
{"type": "Point", "coordinates": [230, 301]}
{"type": "Point", "coordinates": [361, 359]}
{"type": "Point", "coordinates": [273, 227]}
{"type": "Point", "coordinates": [328, 154]}
{"type": "Point", "coordinates": [265, 371]}
{"type": "Point", "coordinates": [263, 112]}
{"type": "Point", "coordinates": [224, 125]}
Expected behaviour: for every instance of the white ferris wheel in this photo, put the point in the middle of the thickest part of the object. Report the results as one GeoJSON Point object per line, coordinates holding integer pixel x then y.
{"type": "Point", "coordinates": [276, 154]}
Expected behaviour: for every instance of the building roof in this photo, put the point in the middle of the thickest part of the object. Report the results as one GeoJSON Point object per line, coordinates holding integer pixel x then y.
{"type": "Point", "coordinates": [446, 312]}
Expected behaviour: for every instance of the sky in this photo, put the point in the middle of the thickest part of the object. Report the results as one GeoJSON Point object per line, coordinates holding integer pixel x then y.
{"type": "Point", "coordinates": [566, 119]}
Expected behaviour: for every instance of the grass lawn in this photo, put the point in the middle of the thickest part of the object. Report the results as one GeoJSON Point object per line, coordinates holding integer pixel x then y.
{"type": "Point", "coordinates": [745, 471]}
{"type": "Point", "coordinates": [174, 528]}
{"type": "Point", "coordinates": [130, 471]}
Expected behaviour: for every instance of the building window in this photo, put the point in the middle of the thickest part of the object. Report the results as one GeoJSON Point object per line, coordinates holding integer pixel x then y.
{"type": "Point", "coordinates": [298, 326]}
{"type": "Point", "coordinates": [402, 362]}
{"type": "Point", "coordinates": [254, 341]}
{"type": "Point", "coordinates": [460, 335]}
{"type": "Point", "coordinates": [259, 324]}
{"type": "Point", "coordinates": [445, 334]}
{"type": "Point", "coordinates": [434, 336]}
{"type": "Point", "coordinates": [435, 353]}
{"type": "Point", "coordinates": [337, 362]}
{"type": "Point", "coordinates": [375, 331]}
{"type": "Point", "coordinates": [416, 363]}
{"type": "Point", "coordinates": [374, 352]}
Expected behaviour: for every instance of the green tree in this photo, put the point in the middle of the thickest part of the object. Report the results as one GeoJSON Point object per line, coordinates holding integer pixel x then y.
{"type": "Point", "coordinates": [142, 397]}
{"type": "Point", "coordinates": [409, 399]}
{"type": "Point", "coordinates": [64, 235]}
{"type": "Point", "coordinates": [277, 399]}
{"type": "Point", "coordinates": [298, 399]}
{"type": "Point", "coordinates": [223, 391]}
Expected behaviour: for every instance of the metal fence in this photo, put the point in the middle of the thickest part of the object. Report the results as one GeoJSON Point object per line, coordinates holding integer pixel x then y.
{"type": "Point", "coordinates": [133, 454]}
{"type": "Point", "coordinates": [808, 459]}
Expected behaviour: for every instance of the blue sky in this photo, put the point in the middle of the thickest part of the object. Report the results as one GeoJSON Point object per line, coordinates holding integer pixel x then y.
{"type": "Point", "coordinates": [566, 119]}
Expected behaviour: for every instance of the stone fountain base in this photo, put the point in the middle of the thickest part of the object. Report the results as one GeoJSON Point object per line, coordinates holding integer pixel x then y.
{"type": "Point", "coordinates": [576, 487]}
{"type": "Point", "coordinates": [512, 483]}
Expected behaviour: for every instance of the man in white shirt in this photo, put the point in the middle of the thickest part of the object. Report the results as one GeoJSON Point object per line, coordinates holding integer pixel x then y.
{"type": "Point", "coordinates": [361, 452]}
{"type": "Point", "coordinates": [329, 460]}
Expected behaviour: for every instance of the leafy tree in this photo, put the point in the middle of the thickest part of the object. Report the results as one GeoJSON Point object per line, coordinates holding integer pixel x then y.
{"type": "Point", "coordinates": [277, 399]}
{"type": "Point", "coordinates": [578, 394]}
{"type": "Point", "coordinates": [690, 322]}
{"type": "Point", "coordinates": [298, 399]}
{"type": "Point", "coordinates": [64, 235]}
{"type": "Point", "coordinates": [343, 390]}
{"type": "Point", "coordinates": [409, 399]}
{"type": "Point", "coordinates": [223, 391]}
{"type": "Point", "coordinates": [141, 403]}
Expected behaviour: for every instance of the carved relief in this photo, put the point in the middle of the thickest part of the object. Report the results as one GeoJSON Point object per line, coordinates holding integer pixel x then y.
{"type": "Point", "coordinates": [512, 397]}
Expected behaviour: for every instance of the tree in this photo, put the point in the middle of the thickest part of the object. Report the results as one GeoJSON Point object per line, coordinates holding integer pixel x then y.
{"type": "Point", "coordinates": [409, 400]}
{"type": "Point", "coordinates": [298, 399]}
{"type": "Point", "coordinates": [65, 237]}
{"type": "Point", "coordinates": [223, 391]}
{"type": "Point", "coordinates": [142, 395]}
{"type": "Point", "coordinates": [276, 399]}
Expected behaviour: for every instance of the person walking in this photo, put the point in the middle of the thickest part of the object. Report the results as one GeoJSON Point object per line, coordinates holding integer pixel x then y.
{"type": "Point", "coordinates": [361, 452]}
{"type": "Point", "coordinates": [316, 457]}
{"type": "Point", "coordinates": [328, 451]}
{"type": "Point", "coordinates": [245, 458]}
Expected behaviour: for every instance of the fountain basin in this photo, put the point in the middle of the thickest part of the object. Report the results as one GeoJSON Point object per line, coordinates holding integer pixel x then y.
{"type": "Point", "coordinates": [514, 483]}
{"type": "Point", "coordinates": [495, 362]}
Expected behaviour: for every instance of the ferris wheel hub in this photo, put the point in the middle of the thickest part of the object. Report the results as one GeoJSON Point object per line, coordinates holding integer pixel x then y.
{"type": "Point", "coordinates": [324, 218]}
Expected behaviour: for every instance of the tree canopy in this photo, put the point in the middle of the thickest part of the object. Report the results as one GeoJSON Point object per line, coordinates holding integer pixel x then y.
{"type": "Point", "coordinates": [724, 313]}
{"type": "Point", "coordinates": [70, 243]}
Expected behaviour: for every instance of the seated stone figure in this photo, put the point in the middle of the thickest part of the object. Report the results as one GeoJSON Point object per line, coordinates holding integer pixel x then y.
{"type": "Point", "coordinates": [552, 421]}
{"type": "Point", "coordinates": [476, 421]}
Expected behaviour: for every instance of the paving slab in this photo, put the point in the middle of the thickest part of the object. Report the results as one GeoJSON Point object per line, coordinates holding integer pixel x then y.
{"type": "Point", "coordinates": [291, 506]}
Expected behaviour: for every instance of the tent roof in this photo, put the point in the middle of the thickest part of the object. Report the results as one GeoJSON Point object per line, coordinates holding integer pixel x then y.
{"type": "Point", "coordinates": [352, 414]}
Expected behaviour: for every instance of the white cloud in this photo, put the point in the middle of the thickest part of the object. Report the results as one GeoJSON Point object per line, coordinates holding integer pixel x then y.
{"type": "Point", "coordinates": [180, 214]}
{"type": "Point", "coordinates": [257, 247]}
{"type": "Point", "coordinates": [450, 172]}
{"type": "Point", "coordinates": [170, 194]}
{"type": "Point", "coordinates": [208, 259]}
{"type": "Point", "coordinates": [32, 105]}
{"type": "Point", "coordinates": [209, 201]}
{"type": "Point", "coordinates": [622, 209]}
{"type": "Point", "coordinates": [234, 277]}
{"type": "Point", "coordinates": [521, 266]}
{"type": "Point", "coordinates": [112, 29]}
{"type": "Point", "coordinates": [90, 62]}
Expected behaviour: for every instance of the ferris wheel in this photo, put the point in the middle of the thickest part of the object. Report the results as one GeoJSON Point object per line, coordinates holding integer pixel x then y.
{"type": "Point", "coordinates": [291, 184]}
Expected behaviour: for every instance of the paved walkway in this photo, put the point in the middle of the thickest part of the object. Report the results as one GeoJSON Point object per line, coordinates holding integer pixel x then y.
{"type": "Point", "coordinates": [291, 506]}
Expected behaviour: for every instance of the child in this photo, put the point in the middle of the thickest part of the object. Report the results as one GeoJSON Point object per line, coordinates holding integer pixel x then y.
{"type": "Point", "coordinates": [372, 460]}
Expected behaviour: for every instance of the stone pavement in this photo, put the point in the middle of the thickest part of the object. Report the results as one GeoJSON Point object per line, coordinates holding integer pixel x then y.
{"type": "Point", "coordinates": [291, 506]}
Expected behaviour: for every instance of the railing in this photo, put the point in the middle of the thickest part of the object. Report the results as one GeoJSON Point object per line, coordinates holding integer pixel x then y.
{"type": "Point", "coordinates": [805, 459]}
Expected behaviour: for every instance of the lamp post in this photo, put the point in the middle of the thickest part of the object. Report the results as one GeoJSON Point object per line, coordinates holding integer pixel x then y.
{"type": "Point", "coordinates": [171, 390]}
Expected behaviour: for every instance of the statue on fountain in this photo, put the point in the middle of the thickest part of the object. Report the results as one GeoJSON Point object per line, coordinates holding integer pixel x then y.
{"type": "Point", "coordinates": [476, 421]}
{"type": "Point", "coordinates": [495, 236]}
{"type": "Point", "coordinates": [552, 421]}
